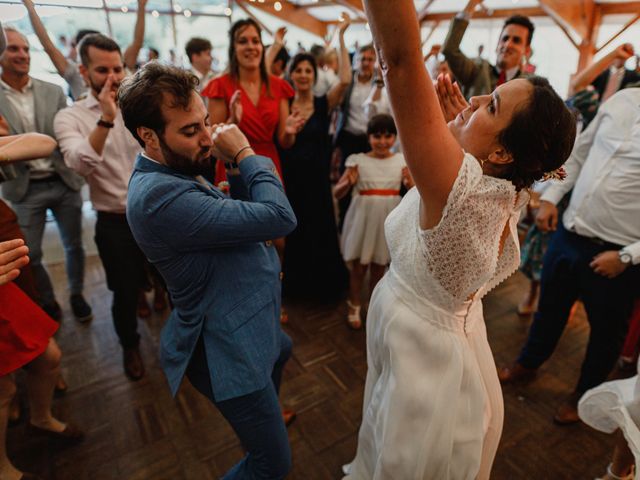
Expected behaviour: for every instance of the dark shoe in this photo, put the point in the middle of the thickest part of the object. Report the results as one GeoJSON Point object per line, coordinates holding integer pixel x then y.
{"type": "Point", "coordinates": [53, 310]}
{"type": "Point", "coordinates": [133, 366]}
{"type": "Point", "coordinates": [69, 436]}
{"type": "Point", "coordinates": [567, 413]}
{"type": "Point", "coordinates": [81, 309]}
{"type": "Point", "coordinates": [516, 373]}
{"type": "Point", "coordinates": [288, 416]}
{"type": "Point", "coordinates": [143, 307]}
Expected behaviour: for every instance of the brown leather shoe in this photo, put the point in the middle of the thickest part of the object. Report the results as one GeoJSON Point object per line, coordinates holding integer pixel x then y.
{"type": "Point", "coordinates": [133, 366]}
{"type": "Point", "coordinates": [516, 373]}
{"type": "Point", "coordinates": [567, 413]}
{"type": "Point", "coordinates": [69, 436]}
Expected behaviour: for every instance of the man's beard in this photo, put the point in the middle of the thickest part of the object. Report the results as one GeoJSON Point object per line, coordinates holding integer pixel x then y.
{"type": "Point", "coordinates": [183, 164]}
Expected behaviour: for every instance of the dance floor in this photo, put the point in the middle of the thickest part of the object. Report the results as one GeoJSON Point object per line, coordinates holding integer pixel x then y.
{"type": "Point", "coordinates": [136, 430]}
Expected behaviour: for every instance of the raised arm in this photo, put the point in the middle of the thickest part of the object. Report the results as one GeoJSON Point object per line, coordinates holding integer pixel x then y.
{"type": "Point", "coordinates": [273, 50]}
{"type": "Point", "coordinates": [130, 55]}
{"type": "Point", "coordinates": [57, 57]}
{"type": "Point", "coordinates": [584, 78]}
{"type": "Point", "coordinates": [345, 74]}
{"type": "Point", "coordinates": [431, 152]}
{"type": "Point", "coordinates": [464, 68]}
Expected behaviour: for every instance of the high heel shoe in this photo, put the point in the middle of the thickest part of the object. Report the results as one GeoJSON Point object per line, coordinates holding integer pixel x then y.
{"type": "Point", "coordinates": [355, 322]}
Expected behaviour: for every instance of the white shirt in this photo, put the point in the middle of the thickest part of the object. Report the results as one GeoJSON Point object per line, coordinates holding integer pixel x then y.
{"type": "Point", "coordinates": [204, 79]}
{"type": "Point", "coordinates": [357, 119]}
{"type": "Point", "coordinates": [604, 172]}
{"type": "Point", "coordinates": [376, 107]}
{"type": "Point", "coordinates": [23, 105]}
{"type": "Point", "coordinates": [325, 82]}
{"type": "Point", "coordinates": [107, 174]}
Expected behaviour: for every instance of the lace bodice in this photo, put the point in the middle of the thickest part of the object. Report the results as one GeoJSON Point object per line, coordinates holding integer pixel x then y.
{"type": "Point", "coordinates": [459, 258]}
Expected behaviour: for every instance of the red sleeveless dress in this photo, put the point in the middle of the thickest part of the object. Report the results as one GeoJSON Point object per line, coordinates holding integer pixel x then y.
{"type": "Point", "coordinates": [25, 329]}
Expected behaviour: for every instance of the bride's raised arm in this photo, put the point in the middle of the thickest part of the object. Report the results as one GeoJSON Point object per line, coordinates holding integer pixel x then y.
{"type": "Point", "coordinates": [432, 153]}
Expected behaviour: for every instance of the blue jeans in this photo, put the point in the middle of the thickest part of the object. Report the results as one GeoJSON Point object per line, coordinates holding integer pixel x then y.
{"type": "Point", "coordinates": [66, 206]}
{"type": "Point", "coordinates": [256, 418]}
{"type": "Point", "coordinates": [567, 277]}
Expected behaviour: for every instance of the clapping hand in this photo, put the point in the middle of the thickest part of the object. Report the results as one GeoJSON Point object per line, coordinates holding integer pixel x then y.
{"type": "Point", "coordinates": [294, 123]}
{"type": "Point", "coordinates": [452, 102]}
{"type": "Point", "coordinates": [228, 141]}
{"type": "Point", "coordinates": [13, 256]}
{"type": "Point", "coordinates": [235, 108]}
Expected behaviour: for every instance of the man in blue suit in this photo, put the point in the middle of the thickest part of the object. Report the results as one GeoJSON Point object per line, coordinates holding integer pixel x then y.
{"type": "Point", "coordinates": [215, 253]}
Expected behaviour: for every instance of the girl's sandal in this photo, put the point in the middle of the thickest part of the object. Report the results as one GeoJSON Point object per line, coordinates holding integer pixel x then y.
{"type": "Point", "coordinates": [354, 320]}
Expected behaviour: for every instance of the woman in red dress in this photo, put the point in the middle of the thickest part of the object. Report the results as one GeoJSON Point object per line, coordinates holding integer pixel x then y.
{"type": "Point", "coordinates": [251, 98]}
{"type": "Point", "coordinates": [26, 331]}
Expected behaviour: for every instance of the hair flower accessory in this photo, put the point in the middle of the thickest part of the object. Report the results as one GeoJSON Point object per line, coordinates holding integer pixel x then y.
{"type": "Point", "coordinates": [557, 174]}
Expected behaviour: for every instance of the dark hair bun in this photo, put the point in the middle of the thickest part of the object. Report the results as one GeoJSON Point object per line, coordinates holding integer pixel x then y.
{"type": "Point", "coordinates": [540, 136]}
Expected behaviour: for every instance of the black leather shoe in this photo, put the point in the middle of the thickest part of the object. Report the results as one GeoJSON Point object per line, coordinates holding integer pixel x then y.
{"type": "Point", "coordinates": [133, 366]}
{"type": "Point", "coordinates": [81, 309]}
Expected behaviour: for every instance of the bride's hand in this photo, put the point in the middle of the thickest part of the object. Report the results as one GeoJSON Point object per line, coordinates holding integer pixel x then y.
{"type": "Point", "coordinates": [452, 102]}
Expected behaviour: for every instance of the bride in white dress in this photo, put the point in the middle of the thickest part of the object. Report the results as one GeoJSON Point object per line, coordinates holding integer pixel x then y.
{"type": "Point", "coordinates": [432, 402]}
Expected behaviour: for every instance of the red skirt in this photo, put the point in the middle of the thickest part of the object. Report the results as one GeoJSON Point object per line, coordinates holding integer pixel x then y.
{"type": "Point", "coordinates": [25, 329]}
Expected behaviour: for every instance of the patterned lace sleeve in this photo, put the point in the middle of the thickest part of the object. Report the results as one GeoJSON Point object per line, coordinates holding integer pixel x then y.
{"type": "Point", "coordinates": [461, 252]}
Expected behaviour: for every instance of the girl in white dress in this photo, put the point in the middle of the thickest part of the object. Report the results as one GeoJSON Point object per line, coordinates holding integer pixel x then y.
{"type": "Point", "coordinates": [432, 402]}
{"type": "Point", "coordinates": [374, 179]}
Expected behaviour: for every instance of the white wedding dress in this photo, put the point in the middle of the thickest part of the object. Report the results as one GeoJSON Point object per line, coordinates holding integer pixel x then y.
{"type": "Point", "coordinates": [432, 402]}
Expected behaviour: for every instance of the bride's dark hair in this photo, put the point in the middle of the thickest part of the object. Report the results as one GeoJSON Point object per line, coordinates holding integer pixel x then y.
{"type": "Point", "coordinates": [540, 136]}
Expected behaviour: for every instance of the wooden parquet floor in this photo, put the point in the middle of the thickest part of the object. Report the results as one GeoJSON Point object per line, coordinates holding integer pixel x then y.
{"type": "Point", "coordinates": [136, 430]}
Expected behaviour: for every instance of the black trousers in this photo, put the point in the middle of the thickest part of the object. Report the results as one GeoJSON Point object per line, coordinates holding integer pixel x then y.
{"type": "Point", "coordinates": [348, 143]}
{"type": "Point", "coordinates": [567, 276]}
{"type": "Point", "coordinates": [123, 263]}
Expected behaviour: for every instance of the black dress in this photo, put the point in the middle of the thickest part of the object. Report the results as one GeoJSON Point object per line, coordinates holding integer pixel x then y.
{"type": "Point", "coordinates": [313, 266]}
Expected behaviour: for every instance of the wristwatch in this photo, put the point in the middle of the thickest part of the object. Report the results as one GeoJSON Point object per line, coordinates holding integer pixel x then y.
{"type": "Point", "coordinates": [625, 257]}
{"type": "Point", "coordinates": [104, 123]}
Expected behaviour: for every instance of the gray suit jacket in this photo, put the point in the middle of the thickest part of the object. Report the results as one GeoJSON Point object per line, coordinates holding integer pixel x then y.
{"type": "Point", "coordinates": [48, 99]}
{"type": "Point", "coordinates": [476, 77]}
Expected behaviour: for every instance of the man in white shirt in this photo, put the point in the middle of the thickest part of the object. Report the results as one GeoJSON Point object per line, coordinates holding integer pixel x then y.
{"type": "Point", "coordinates": [198, 51]}
{"type": "Point", "coordinates": [595, 254]}
{"type": "Point", "coordinates": [29, 105]}
{"type": "Point", "coordinates": [96, 144]}
{"type": "Point", "coordinates": [351, 131]}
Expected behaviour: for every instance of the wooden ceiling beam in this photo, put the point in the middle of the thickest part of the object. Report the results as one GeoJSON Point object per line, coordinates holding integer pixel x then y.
{"type": "Point", "coordinates": [424, 11]}
{"type": "Point", "coordinates": [619, 8]}
{"type": "Point", "coordinates": [576, 15]}
{"type": "Point", "coordinates": [290, 14]}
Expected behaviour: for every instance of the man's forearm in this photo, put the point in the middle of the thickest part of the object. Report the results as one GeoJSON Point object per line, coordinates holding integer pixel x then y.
{"type": "Point", "coordinates": [98, 138]}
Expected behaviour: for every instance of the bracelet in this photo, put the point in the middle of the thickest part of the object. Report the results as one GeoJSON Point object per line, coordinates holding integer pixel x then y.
{"type": "Point", "coordinates": [235, 157]}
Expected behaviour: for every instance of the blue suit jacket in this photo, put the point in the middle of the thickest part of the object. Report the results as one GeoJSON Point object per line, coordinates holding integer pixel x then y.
{"type": "Point", "coordinates": [221, 269]}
